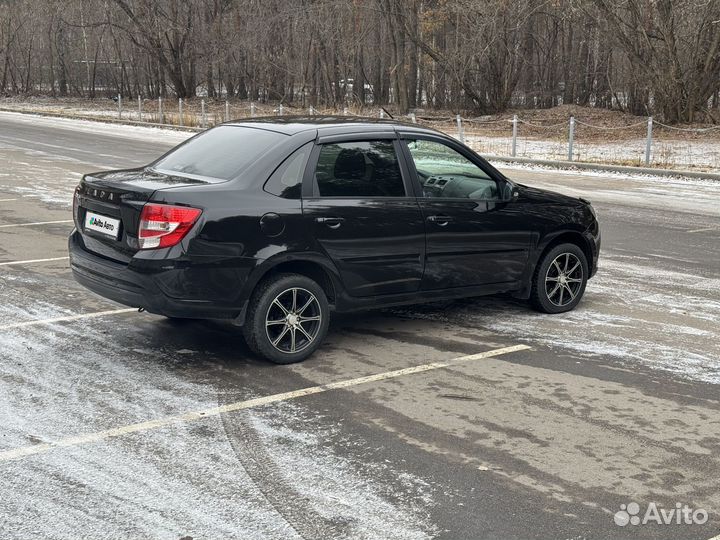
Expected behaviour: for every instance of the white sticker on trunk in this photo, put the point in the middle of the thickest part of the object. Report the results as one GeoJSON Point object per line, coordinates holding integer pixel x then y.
{"type": "Point", "coordinates": [102, 224]}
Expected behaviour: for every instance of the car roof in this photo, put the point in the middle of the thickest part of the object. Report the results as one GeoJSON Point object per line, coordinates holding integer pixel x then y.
{"type": "Point", "coordinates": [327, 124]}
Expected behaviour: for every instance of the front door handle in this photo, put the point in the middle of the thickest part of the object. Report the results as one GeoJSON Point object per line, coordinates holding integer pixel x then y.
{"type": "Point", "coordinates": [332, 222]}
{"type": "Point", "coordinates": [440, 220]}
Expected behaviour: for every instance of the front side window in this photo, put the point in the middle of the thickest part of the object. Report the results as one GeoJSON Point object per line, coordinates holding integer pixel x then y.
{"type": "Point", "coordinates": [219, 154]}
{"type": "Point", "coordinates": [359, 169]}
{"type": "Point", "coordinates": [444, 172]}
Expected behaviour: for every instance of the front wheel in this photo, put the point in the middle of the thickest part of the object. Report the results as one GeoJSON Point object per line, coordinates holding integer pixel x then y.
{"type": "Point", "coordinates": [560, 279]}
{"type": "Point", "coordinates": [287, 319]}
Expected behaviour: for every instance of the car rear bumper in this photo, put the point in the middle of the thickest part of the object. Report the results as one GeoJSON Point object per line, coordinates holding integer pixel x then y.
{"type": "Point", "coordinates": [141, 287]}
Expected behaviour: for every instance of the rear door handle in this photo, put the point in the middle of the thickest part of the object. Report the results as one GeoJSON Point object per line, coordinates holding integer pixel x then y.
{"type": "Point", "coordinates": [332, 222]}
{"type": "Point", "coordinates": [440, 220]}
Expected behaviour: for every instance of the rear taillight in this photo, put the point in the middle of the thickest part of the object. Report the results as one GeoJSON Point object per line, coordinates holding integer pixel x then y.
{"type": "Point", "coordinates": [164, 225]}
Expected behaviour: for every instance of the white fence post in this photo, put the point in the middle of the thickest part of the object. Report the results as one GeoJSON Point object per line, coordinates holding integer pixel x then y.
{"type": "Point", "coordinates": [252, 109]}
{"type": "Point", "coordinates": [345, 111]}
{"type": "Point", "coordinates": [413, 119]}
{"type": "Point", "coordinates": [461, 135]}
{"type": "Point", "coordinates": [180, 111]}
{"type": "Point", "coordinates": [281, 109]}
{"type": "Point", "coordinates": [310, 110]}
{"type": "Point", "coordinates": [571, 138]}
{"type": "Point", "coordinates": [514, 139]}
{"type": "Point", "coordinates": [119, 100]}
{"type": "Point", "coordinates": [227, 110]}
{"type": "Point", "coordinates": [382, 113]}
{"type": "Point", "coordinates": [139, 108]}
{"type": "Point", "coordinates": [648, 142]}
{"type": "Point", "coordinates": [160, 111]}
{"type": "Point", "coordinates": [203, 119]}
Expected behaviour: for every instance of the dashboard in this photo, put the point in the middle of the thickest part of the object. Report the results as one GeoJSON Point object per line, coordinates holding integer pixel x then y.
{"type": "Point", "coordinates": [458, 186]}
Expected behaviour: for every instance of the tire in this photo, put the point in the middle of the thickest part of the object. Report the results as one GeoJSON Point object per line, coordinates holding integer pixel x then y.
{"type": "Point", "coordinates": [559, 280]}
{"type": "Point", "coordinates": [279, 331]}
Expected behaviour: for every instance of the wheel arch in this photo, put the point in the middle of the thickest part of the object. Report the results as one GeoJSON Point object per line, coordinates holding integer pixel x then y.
{"type": "Point", "coordinates": [313, 266]}
{"type": "Point", "coordinates": [548, 242]}
{"type": "Point", "coordinates": [566, 237]}
{"type": "Point", "coordinates": [309, 268]}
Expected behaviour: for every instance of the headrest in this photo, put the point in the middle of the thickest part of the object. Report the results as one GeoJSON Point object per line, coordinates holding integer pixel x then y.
{"type": "Point", "coordinates": [350, 164]}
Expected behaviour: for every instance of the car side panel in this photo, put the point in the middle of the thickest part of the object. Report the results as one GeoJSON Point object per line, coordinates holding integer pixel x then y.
{"type": "Point", "coordinates": [486, 242]}
{"type": "Point", "coordinates": [377, 249]}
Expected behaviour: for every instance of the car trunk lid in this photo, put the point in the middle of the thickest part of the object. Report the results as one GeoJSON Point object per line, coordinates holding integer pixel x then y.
{"type": "Point", "coordinates": [109, 204]}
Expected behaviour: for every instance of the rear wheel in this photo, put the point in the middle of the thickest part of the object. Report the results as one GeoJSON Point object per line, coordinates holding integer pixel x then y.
{"type": "Point", "coordinates": [287, 319]}
{"type": "Point", "coordinates": [560, 279]}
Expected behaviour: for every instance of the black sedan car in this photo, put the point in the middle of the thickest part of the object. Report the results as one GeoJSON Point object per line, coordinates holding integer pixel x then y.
{"type": "Point", "coordinates": [276, 222]}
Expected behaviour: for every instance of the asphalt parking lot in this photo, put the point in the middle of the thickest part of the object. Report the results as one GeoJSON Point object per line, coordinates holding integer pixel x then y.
{"type": "Point", "coordinates": [471, 419]}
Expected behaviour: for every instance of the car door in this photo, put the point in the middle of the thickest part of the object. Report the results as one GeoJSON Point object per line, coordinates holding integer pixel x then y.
{"type": "Point", "coordinates": [474, 236]}
{"type": "Point", "coordinates": [363, 213]}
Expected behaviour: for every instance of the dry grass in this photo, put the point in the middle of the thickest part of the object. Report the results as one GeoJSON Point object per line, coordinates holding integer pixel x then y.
{"type": "Point", "coordinates": [546, 124]}
{"type": "Point", "coordinates": [553, 124]}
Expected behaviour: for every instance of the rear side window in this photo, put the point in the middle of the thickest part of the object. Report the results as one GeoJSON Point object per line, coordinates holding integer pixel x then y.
{"type": "Point", "coordinates": [359, 169]}
{"type": "Point", "coordinates": [286, 181]}
{"type": "Point", "coordinates": [220, 154]}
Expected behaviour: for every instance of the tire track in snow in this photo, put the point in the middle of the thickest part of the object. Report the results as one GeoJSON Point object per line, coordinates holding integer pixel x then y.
{"type": "Point", "coordinates": [269, 480]}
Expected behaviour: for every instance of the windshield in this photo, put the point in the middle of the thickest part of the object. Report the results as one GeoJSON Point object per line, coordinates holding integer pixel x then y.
{"type": "Point", "coordinates": [220, 154]}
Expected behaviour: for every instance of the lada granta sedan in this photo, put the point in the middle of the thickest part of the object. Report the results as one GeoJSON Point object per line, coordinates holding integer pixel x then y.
{"type": "Point", "coordinates": [275, 223]}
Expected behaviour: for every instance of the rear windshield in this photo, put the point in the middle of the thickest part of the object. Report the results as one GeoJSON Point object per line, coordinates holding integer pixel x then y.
{"type": "Point", "coordinates": [219, 154]}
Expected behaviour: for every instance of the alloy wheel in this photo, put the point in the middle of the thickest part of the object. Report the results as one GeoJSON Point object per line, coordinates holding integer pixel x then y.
{"type": "Point", "coordinates": [564, 279]}
{"type": "Point", "coordinates": [293, 320]}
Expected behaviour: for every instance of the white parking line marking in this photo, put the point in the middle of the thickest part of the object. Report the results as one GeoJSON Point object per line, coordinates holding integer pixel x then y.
{"type": "Point", "coordinates": [36, 223]}
{"type": "Point", "coordinates": [39, 322]}
{"type": "Point", "coordinates": [32, 261]}
{"type": "Point", "coordinates": [7, 200]}
{"type": "Point", "coordinates": [706, 229]}
{"type": "Point", "coordinates": [78, 440]}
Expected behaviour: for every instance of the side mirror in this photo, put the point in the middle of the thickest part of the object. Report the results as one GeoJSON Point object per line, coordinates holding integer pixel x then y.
{"type": "Point", "coordinates": [510, 192]}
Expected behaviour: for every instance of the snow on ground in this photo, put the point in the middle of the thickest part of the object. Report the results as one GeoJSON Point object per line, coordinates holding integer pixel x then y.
{"type": "Point", "coordinates": [33, 173]}
{"type": "Point", "coordinates": [625, 316]}
{"type": "Point", "coordinates": [65, 376]}
{"type": "Point", "coordinates": [135, 132]}
{"type": "Point", "coordinates": [633, 311]}
{"type": "Point", "coordinates": [666, 153]}
{"type": "Point", "coordinates": [335, 488]}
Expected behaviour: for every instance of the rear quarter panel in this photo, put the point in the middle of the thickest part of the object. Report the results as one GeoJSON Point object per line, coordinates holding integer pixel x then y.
{"type": "Point", "coordinates": [228, 243]}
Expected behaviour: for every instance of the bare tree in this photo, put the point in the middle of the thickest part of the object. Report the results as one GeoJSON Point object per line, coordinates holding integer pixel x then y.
{"type": "Point", "coordinates": [646, 56]}
{"type": "Point", "coordinates": [674, 46]}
